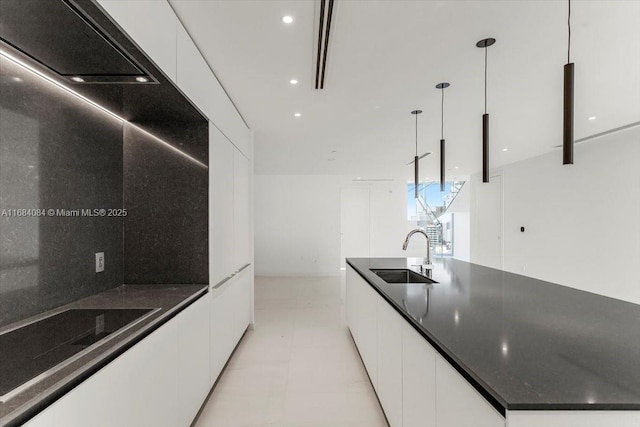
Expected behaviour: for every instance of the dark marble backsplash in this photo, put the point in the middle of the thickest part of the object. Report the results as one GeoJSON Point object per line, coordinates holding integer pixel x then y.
{"type": "Point", "coordinates": [56, 152]}
{"type": "Point", "coordinates": [166, 196]}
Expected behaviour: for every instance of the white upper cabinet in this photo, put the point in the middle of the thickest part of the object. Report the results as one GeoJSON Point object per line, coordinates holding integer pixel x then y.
{"type": "Point", "coordinates": [152, 25]}
{"type": "Point", "coordinates": [195, 78]}
{"type": "Point", "coordinates": [221, 206]}
{"type": "Point", "coordinates": [197, 81]}
{"type": "Point", "coordinates": [242, 223]}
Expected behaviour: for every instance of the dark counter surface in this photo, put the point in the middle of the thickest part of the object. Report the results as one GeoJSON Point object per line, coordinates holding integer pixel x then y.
{"type": "Point", "coordinates": [165, 300]}
{"type": "Point", "coordinates": [525, 344]}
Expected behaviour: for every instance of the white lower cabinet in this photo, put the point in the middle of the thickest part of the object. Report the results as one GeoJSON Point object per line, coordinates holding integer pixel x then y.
{"type": "Point", "coordinates": [390, 362]}
{"type": "Point", "coordinates": [231, 308]}
{"type": "Point", "coordinates": [418, 380]}
{"type": "Point", "coordinates": [458, 404]}
{"type": "Point", "coordinates": [161, 381]}
{"type": "Point", "coordinates": [221, 332]}
{"type": "Point", "coordinates": [193, 359]}
{"type": "Point", "coordinates": [415, 385]}
{"type": "Point", "coordinates": [366, 313]}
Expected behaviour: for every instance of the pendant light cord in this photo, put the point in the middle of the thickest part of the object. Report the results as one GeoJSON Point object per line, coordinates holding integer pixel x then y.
{"type": "Point", "coordinates": [442, 116]}
{"type": "Point", "coordinates": [485, 79]}
{"type": "Point", "coordinates": [569, 41]}
{"type": "Point", "coordinates": [416, 135]}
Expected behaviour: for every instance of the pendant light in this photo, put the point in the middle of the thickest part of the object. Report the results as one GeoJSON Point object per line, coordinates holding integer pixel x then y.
{"type": "Point", "coordinates": [442, 87]}
{"type": "Point", "coordinates": [416, 159]}
{"type": "Point", "coordinates": [484, 44]}
{"type": "Point", "coordinates": [567, 131]}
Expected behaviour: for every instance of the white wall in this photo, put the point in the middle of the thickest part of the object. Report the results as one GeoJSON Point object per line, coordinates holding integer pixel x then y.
{"type": "Point", "coordinates": [582, 221]}
{"type": "Point", "coordinates": [297, 222]}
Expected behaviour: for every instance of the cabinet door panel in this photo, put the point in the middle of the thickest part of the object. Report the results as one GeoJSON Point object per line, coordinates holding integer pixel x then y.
{"type": "Point", "coordinates": [221, 206]}
{"type": "Point", "coordinates": [241, 210]}
{"type": "Point", "coordinates": [222, 331]}
{"type": "Point", "coordinates": [418, 380]}
{"type": "Point", "coordinates": [368, 326]}
{"type": "Point", "coordinates": [193, 362]}
{"type": "Point", "coordinates": [458, 403]}
{"type": "Point", "coordinates": [389, 386]}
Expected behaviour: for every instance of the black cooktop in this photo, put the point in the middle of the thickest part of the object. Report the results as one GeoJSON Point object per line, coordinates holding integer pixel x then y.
{"type": "Point", "coordinates": [38, 347]}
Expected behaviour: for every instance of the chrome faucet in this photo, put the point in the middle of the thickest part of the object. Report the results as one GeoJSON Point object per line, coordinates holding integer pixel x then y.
{"type": "Point", "coordinates": [406, 243]}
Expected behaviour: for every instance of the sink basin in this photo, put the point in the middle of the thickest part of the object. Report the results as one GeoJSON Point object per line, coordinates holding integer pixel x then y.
{"type": "Point", "coordinates": [401, 276]}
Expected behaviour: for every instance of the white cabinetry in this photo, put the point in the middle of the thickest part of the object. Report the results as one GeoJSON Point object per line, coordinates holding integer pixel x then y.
{"type": "Point", "coordinates": [193, 359]}
{"type": "Point", "coordinates": [161, 381]}
{"type": "Point", "coordinates": [196, 80]}
{"type": "Point", "coordinates": [458, 403]}
{"type": "Point", "coordinates": [152, 25]}
{"type": "Point", "coordinates": [390, 362]}
{"type": "Point", "coordinates": [221, 331]}
{"type": "Point", "coordinates": [365, 327]}
{"type": "Point", "coordinates": [221, 206]}
{"type": "Point", "coordinates": [231, 308]}
{"type": "Point", "coordinates": [241, 210]}
{"type": "Point", "coordinates": [418, 380]}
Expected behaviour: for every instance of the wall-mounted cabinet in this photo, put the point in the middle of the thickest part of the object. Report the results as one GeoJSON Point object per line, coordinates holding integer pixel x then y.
{"type": "Point", "coordinates": [153, 25]}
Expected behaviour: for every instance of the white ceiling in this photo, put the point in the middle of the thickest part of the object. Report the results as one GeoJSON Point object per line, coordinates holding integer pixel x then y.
{"type": "Point", "coordinates": [385, 59]}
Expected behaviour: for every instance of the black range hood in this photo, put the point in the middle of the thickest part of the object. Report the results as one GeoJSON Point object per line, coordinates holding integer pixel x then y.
{"type": "Point", "coordinates": [59, 36]}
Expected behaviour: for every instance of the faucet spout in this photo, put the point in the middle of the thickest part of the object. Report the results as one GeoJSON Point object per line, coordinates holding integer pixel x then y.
{"type": "Point", "coordinates": [411, 233]}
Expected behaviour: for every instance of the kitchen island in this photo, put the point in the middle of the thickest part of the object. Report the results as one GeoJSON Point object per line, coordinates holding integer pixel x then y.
{"type": "Point", "coordinates": [534, 352]}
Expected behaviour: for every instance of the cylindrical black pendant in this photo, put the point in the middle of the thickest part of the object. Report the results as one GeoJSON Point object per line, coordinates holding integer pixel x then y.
{"type": "Point", "coordinates": [442, 165]}
{"type": "Point", "coordinates": [567, 134]}
{"type": "Point", "coordinates": [485, 147]}
{"type": "Point", "coordinates": [416, 179]}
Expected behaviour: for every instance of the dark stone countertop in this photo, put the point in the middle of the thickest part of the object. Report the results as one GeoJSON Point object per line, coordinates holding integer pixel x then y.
{"type": "Point", "coordinates": [170, 299]}
{"type": "Point", "coordinates": [525, 344]}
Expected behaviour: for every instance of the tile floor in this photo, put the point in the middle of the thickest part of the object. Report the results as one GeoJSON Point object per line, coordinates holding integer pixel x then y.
{"type": "Point", "coordinates": [298, 367]}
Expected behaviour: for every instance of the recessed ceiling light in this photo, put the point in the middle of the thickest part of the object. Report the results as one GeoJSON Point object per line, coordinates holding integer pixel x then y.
{"type": "Point", "coordinates": [142, 79]}
{"type": "Point", "coordinates": [457, 167]}
{"type": "Point", "coordinates": [293, 81]}
{"type": "Point", "coordinates": [297, 114]}
{"type": "Point", "coordinates": [77, 79]}
{"type": "Point", "coordinates": [505, 149]}
{"type": "Point", "coordinates": [287, 19]}
{"type": "Point", "coordinates": [16, 79]}
{"type": "Point", "coordinates": [592, 118]}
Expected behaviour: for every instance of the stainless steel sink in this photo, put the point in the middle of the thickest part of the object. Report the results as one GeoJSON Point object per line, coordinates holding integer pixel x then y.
{"type": "Point", "coordinates": [401, 276]}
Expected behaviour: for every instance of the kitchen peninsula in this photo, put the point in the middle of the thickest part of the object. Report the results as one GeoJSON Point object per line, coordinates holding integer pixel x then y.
{"type": "Point", "coordinates": [496, 348]}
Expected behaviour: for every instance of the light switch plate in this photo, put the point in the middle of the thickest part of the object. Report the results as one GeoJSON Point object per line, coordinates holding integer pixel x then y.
{"type": "Point", "coordinates": [99, 262]}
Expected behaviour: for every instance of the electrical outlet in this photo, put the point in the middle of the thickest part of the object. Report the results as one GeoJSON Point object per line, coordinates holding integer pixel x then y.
{"type": "Point", "coordinates": [99, 262]}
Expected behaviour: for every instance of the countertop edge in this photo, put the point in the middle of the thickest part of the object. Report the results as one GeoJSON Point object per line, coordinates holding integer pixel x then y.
{"type": "Point", "coordinates": [33, 407]}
